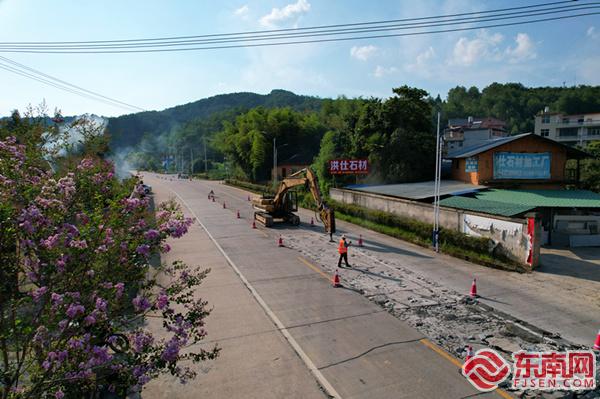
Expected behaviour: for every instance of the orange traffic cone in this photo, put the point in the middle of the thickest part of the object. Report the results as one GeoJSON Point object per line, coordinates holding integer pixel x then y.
{"type": "Point", "coordinates": [280, 242]}
{"type": "Point", "coordinates": [473, 292]}
{"type": "Point", "coordinates": [238, 214]}
{"type": "Point", "coordinates": [312, 222]}
{"type": "Point", "coordinates": [224, 206]}
{"type": "Point", "coordinates": [360, 241]}
{"type": "Point", "coordinates": [597, 343]}
{"type": "Point", "coordinates": [253, 224]}
{"type": "Point", "coordinates": [335, 281]}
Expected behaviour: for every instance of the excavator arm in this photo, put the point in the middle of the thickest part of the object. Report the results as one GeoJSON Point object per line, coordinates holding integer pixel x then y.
{"type": "Point", "coordinates": [308, 178]}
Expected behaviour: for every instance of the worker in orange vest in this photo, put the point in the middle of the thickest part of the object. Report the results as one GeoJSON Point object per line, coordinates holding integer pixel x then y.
{"type": "Point", "coordinates": [343, 251]}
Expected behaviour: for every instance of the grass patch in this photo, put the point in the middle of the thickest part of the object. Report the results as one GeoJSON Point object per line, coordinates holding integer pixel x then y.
{"type": "Point", "coordinates": [454, 243]}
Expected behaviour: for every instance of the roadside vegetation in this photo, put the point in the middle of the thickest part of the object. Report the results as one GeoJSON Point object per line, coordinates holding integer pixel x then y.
{"type": "Point", "coordinates": [76, 283]}
{"type": "Point", "coordinates": [397, 134]}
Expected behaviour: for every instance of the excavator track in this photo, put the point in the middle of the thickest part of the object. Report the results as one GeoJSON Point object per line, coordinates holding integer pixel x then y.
{"type": "Point", "coordinates": [263, 218]}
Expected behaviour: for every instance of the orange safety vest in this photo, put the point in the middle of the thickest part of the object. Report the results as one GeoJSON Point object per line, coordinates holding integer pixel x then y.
{"type": "Point", "coordinates": [342, 249]}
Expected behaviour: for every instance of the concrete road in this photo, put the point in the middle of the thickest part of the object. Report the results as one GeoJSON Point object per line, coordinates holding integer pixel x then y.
{"type": "Point", "coordinates": [284, 330]}
{"type": "Point", "coordinates": [562, 296]}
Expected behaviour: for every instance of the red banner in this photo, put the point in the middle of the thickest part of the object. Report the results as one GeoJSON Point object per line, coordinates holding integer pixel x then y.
{"type": "Point", "coordinates": [349, 166]}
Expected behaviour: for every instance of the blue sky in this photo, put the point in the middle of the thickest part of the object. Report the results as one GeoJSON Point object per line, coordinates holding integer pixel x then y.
{"type": "Point", "coordinates": [545, 54]}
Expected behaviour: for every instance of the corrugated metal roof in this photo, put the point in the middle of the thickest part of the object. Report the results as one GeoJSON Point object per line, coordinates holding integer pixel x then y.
{"type": "Point", "coordinates": [493, 143]}
{"type": "Point", "coordinates": [420, 190]}
{"type": "Point", "coordinates": [544, 198]}
{"type": "Point", "coordinates": [487, 145]}
{"type": "Point", "coordinates": [483, 206]}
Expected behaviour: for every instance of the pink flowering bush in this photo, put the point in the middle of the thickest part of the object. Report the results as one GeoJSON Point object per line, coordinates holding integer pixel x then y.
{"type": "Point", "coordinates": [77, 284]}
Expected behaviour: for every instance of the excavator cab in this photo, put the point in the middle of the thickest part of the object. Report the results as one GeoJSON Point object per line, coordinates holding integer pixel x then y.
{"type": "Point", "coordinates": [284, 203]}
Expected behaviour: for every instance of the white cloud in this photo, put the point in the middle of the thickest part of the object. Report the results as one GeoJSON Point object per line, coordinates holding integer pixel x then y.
{"type": "Point", "coordinates": [242, 11]}
{"type": "Point", "coordinates": [591, 32]}
{"type": "Point", "coordinates": [468, 52]}
{"type": "Point", "coordinates": [524, 49]}
{"type": "Point", "coordinates": [282, 14]}
{"type": "Point", "coordinates": [363, 53]}
{"type": "Point", "coordinates": [381, 71]}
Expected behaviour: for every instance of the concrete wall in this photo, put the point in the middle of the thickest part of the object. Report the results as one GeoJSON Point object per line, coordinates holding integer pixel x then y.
{"type": "Point", "coordinates": [509, 234]}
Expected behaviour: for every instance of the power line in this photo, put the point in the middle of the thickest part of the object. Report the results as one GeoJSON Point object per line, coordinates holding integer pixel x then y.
{"type": "Point", "coordinates": [279, 43]}
{"type": "Point", "coordinates": [21, 70]}
{"type": "Point", "coordinates": [300, 29]}
{"type": "Point", "coordinates": [227, 38]}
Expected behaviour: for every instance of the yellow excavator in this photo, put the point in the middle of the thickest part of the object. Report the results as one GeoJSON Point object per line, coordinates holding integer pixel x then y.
{"type": "Point", "coordinates": [281, 207]}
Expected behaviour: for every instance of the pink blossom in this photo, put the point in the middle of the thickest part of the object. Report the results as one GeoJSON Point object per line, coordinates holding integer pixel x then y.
{"type": "Point", "coordinates": [101, 304]}
{"type": "Point", "coordinates": [51, 241]}
{"type": "Point", "coordinates": [75, 310]}
{"type": "Point", "coordinates": [61, 262]}
{"type": "Point", "coordinates": [59, 394]}
{"type": "Point", "coordinates": [141, 303]}
{"type": "Point", "coordinates": [89, 319]}
{"type": "Point", "coordinates": [56, 299]}
{"type": "Point", "coordinates": [86, 163]}
{"type": "Point", "coordinates": [151, 235]}
{"type": "Point", "coordinates": [162, 301]}
{"type": "Point", "coordinates": [81, 244]}
{"type": "Point", "coordinates": [141, 340]}
{"type": "Point", "coordinates": [171, 352]}
{"type": "Point", "coordinates": [38, 293]}
{"type": "Point", "coordinates": [143, 249]}
{"type": "Point", "coordinates": [119, 290]}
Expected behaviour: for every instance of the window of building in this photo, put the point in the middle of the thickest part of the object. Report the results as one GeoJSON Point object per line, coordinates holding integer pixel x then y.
{"type": "Point", "coordinates": [594, 131]}
{"type": "Point", "coordinates": [545, 118]}
{"type": "Point", "coordinates": [545, 132]}
{"type": "Point", "coordinates": [568, 132]}
{"type": "Point", "coordinates": [565, 121]}
{"type": "Point", "coordinates": [460, 143]}
{"type": "Point", "coordinates": [580, 120]}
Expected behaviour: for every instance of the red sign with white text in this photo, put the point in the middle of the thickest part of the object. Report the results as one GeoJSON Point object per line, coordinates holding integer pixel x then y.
{"type": "Point", "coordinates": [349, 166]}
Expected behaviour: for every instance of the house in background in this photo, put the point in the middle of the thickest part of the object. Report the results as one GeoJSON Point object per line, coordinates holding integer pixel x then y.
{"type": "Point", "coordinates": [571, 130]}
{"type": "Point", "coordinates": [529, 173]}
{"type": "Point", "coordinates": [462, 133]}
{"type": "Point", "coordinates": [524, 161]}
{"type": "Point", "coordinates": [292, 165]}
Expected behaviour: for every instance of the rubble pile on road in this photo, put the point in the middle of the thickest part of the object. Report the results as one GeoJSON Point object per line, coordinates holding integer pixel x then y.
{"type": "Point", "coordinates": [449, 318]}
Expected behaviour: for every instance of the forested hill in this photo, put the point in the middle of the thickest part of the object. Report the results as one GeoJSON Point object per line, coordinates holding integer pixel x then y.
{"type": "Point", "coordinates": [127, 130]}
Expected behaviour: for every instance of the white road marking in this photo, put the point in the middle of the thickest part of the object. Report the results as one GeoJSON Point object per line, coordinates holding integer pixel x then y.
{"type": "Point", "coordinates": [307, 361]}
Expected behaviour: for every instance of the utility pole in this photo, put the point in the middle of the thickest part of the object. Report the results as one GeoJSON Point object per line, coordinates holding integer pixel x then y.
{"type": "Point", "coordinates": [191, 162]}
{"type": "Point", "coordinates": [436, 194]}
{"type": "Point", "coordinates": [274, 161]}
{"type": "Point", "coordinates": [205, 161]}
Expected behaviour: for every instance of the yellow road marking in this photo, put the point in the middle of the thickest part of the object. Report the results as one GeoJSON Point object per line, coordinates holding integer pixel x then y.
{"type": "Point", "coordinates": [315, 268]}
{"type": "Point", "coordinates": [441, 352]}
{"type": "Point", "coordinates": [456, 362]}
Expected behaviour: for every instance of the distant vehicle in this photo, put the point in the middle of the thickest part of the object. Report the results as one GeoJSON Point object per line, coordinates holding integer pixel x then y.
{"type": "Point", "coordinates": [183, 176]}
